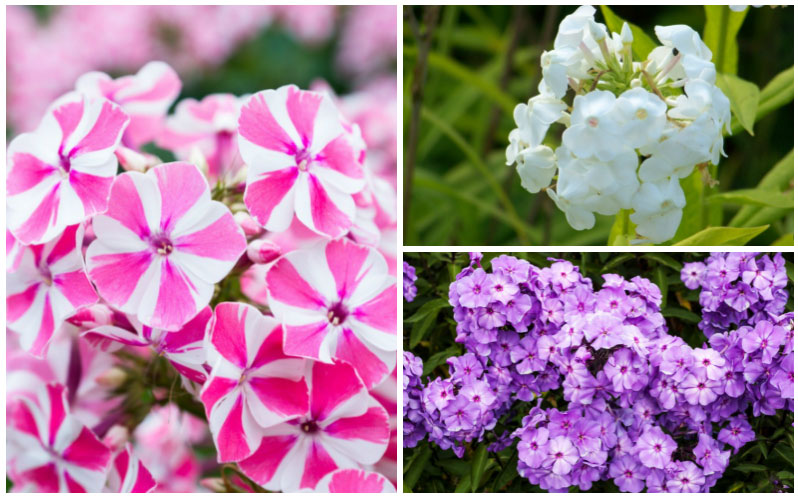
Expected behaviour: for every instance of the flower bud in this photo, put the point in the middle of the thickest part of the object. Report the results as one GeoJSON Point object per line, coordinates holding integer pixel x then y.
{"type": "Point", "coordinates": [263, 251]}
{"type": "Point", "coordinates": [116, 437]}
{"type": "Point", "coordinates": [92, 316]}
{"type": "Point", "coordinates": [245, 221]}
{"type": "Point", "coordinates": [112, 378]}
{"type": "Point", "coordinates": [597, 31]}
{"type": "Point", "coordinates": [626, 34]}
{"type": "Point", "coordinates": [132, 160]}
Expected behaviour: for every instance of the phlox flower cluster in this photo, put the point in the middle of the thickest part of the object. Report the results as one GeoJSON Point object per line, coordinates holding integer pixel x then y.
{"type": "Point", "coordinates": [665, 109]}
{"type": "Point", "coordinates": [639, 405]}
{"type": "Point", "coordinates": [409, 282]}
{"type": "Point", "coordinates": [48, 55]}
{"type": "Point", "coordinates": [129, 339]}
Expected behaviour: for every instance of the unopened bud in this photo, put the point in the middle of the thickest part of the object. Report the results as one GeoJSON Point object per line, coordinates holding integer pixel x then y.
{"type": "Point", "coordinates": [597, 31]}
{"type": "Point", "coordinates": [263, 251]}
{"type": "Point", "coordinates": [214, 485]}
{"type": "Point", "coordinates": [132, 160]}
{"type": "Point", "coordinates": [112, 378]}
{"type": "Point", "coordinates": [250, 227]}
{"type": "Point", "coordinates": [92, 316]}
{"type": "Point", "coordinates": [626, 34]}
{"type": "Point", "coordinates": [116, 437]}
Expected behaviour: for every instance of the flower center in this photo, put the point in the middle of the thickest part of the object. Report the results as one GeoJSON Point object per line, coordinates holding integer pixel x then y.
{"type": "Point", "coordinates": [657, 448]}
{"type": "Point", "coordinates": [641, 114]}
{"type": "Point", "coordinates": [593, 122]}
{"type": "Point", "coordinates": [303, 159]}
{"type": "Point", "coordinates": [47, 276]}
{"type": "Point", "coordinates": [706, 362]}
{"type": "Point", "coordinates": [162, 244]}
{"type": "Point", "coordinates": [309, 427]}
{"type": "Point", "coordinates": [558, 455]}
{"type": "Point", "coordinates": [337, 314]}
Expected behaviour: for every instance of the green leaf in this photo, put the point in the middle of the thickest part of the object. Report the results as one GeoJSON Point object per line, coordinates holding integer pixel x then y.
{"type": "Point", "coordinates": [436, 360]}
{"type": "Point", "coordinates": [507, 474]}
{"type": "Point", "coordinates": [478, 464]}
{"type": "Point", "coordinates": [716, 235]}
{"type": "Point", "coordinates": [695, 217]}
{"type": "Point", "coordinates": [424, 319]}
{"type": "Point", "coordinates": [778, 92]}
{"type": "Point", "coordinates": [720, 35]}
{"type": "Point", "coordinates": [642, 45]}
{"type": "Point", "coordinates": [737, 486]}
{"type": "Point", "coordinates": [416, 466]}
{"type": "Point", "coordinates": [457, 467]}
{"type": "Point", "coordinates": [785, 475]}
{"type": "Point", "coordinates": [662, 283]}
{"type": "Point", "coordinates": [681, 313]}
{"type": "Point", "coordinates": [623, 229]}
{"type": "Point", "coordinates": [763, 447]}
{"type": "Point", "coordinates": [464, 485]}
{"type": "Point", "coordinates": [748, 468]}
{"type": "Point", "coordinates": [406, 489]}
{"type": "Point", "coordinates": [755, 196]}
{"type": "Point", "coordinates": [743, 97]}
{"type": "Point", "coordinates": [665, 260]}
{"type": "Point", "coordinates": [432, 306]}
{"type": "Point", "coordinates": [777, 179]}
{"type": "Point", "coordinates": [785, 240]}
{"type": "Point", "coordinates": [785, 452]}
{"type": "Point", "coordinates": [617, 261]}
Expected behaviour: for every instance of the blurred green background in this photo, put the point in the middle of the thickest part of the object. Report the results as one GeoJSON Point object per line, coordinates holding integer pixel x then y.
{"type": "Point", "coordinates": [485, 59]}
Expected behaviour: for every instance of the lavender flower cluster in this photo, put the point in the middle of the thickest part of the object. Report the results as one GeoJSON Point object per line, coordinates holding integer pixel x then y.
{"type": "Point", "coordinates": [639, 403]}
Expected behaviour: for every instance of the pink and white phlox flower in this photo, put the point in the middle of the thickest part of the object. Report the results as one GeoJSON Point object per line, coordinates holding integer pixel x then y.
{"type": "Point", "coordinates": [48, 285]}
{"type": "Point", "coordinates": [145, 96]}
{"type": "Point", "coordinates": [301, 161]}
{"type": "Point", "coordinates": [337, 301]}
{"type": "Point", "coordinates": [60, 174]}
{"type": "Point", "coordinates": [128, 474]}
{"type": "Point", "coordinates": [162, 245]}
{"type": "Point", "coordinates": [253, 385]}
{"type": "Point", "coordinates": [51, 451]}
{"type": "Point", "coordinates": [355, 481]}
{"type": "Point", "coordinates": [345, 427]}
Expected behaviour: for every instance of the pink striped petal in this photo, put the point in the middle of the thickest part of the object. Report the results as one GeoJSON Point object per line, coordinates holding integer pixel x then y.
{"type": "Point", "coordinates": [228, 334]}
{"type": "Point", "coordinates": [340, 157]}
{"type": "Point", "coordinates": [371, 427]}
{"type": "Point", "coordinates": [127, 207]}
{"type": "Point", "coordinates": [221, 240]}
{"type": "Point", "coordinates": [92, 190]}
{"type": "Point", "coordinates": [105, 271]}
{"type": "Point", "coordinates": [68, 117]}
{"type": "Point", "coordinates": [41, 225]}
{"type": "Point", "coordinates": [27, 171]}
{"type": "Point", "coordinates": [214, 390]}
{"type": "Point", "coordinates": [345, 260]}
{"type": "Point", "coordinates": [379, 312]}
{"type": "Point", "coordinates": [331, 386]}
{"type": "Point", "coordinates": [282, 397]}
{"type": "Point", "coordinates": [128, 474]}
{"type": "Point", "coordinates": [258, 126]}
{"type": "Point", "coordinates": [370, 367]}
{"type": "Point", "coordinates": [181, 185]}
{"type": "Point", "coordinates": [105, 338]}
{"type": "Point", "coordinates": [354, 481]}
{"type": "Point", "coordinates": [176, 304]}
{"type": "Point", "coordinates": [106, 131]}
{"type": "Point", "coordinates": [287, 286]}
{"type": "Point", "coordinates": [87, 452]}
{"type": "Point", "coordinates": [231, 440]}
{"type": "Point", "coordinates": [263, 464]}
{"type": "Point", "coordinates": [307, 340]}
{"type": "Point", "coordinates": [302, 107]}
{"type": "Point", "coordinates": [322, 209]}
{"type": "Point", "coordinates": [76, 288]}
{"type": "Point", "coordinates": [270, 198]}
{"type": "Point", "coordinates": [317, 464]}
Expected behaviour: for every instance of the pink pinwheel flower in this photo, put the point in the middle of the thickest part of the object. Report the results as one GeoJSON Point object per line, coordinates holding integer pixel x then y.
{"type": "Point", "coordinates": [337, 301]}
{"type": "Point", "coordinates": [355, 481]}
{"type": "Point", "coordinates": [48, 286]}
{"type": "Point", "coordinates": [162, 245]}
{"type": "Point", "coordinates": [253, 385]}
{"type": "Point", "coordinates": [345, 427]}
{"type": "Point", "coordinates": [184, 348]}
{"type": "Point", "coordinates": [145, 96]}
{"type": "Point", "coordinates": [60, 174]}
{"type": "Point", "coordinates": [209, 126]}
{"type": "Point", "coordinates": [128, 474]}
{"type": "Point", "coordinates": [301, 160]}
{"type": "Point", "coordinates": [49, 450]}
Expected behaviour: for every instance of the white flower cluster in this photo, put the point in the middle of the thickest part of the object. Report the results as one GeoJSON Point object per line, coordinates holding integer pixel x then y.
{"type": "Point", "coordinates": [665, 110]}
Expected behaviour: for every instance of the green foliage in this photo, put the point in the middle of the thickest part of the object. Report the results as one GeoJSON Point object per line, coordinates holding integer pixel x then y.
{"type": "Point", "coordinates": [427, 468]}
{"type": "Point", "coordinates": [484, 60]}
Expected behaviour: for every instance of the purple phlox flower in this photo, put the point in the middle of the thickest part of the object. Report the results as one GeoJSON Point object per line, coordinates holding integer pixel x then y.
{"type": "Point", "coordinates": [516, 308]}
{"type": "Point", "coordinates": [740, 296]}
{"type": "Point", "coordinates": [501, 287]}
{"type": "Point", "coordinates": [613, 281]}
{"type": "Point", "coordinates": [737, 433]}
{"type": "Point", "coordinates": [461, 414]}
{"type": "Point", "coordinates": [645, 409]}
{"type": "Point", "coordinates": [475, 258]}
{"type": "Point", "coordinates": [709, 361]}
{"type": "Point", "coordinates": [579, 389]}
{"type": "Point", "coordinates": [648, 290]}
{"type": "Point", "coordinates": [655, 481]}
{"type": "Point", "coordinates": [501, 348]}
{"type": "Point", "coordinates": [660, 346]}
{"type": "Point", "coordinates": [465, 368]}
{"type": "Point", "coordinates": [564, 274]}
{"type": "Point", "coordinates": [759, 276]}
{"type": "Point", "coordinates": [687, 478]}
{"type": "Point", "coordinates": [438, 394]}
{"type": "Point", "coordinates": [710, 456]}
{"type": "Point", "coordinates": [623, 368]}
{"type": "Point", "coordinates": [603, 330]}
{"type": "Point", "coordinates": [533, 447]}
{"type": "Point", "coordinates": [585, 474]}
{"type": "Point", "coordinates": [693, 274]}
{"type": "Point", "coordinates": [408, 282]}
{"type": "Point", "coordinates": [654, 448]}
{"type": "Point", "coordinates": [525, 356]}
{"type": "Point", "coordinates": [613, 300]}
{"type": "Point", "coordinates": [628, 474]}
{"type": "Point", "coordinates": [474, 290]}
{"type": "Point", "coordinates": [512, 267]}
{"type": "Point", "coordinates": [551, 311]}
{"type": "Point", "coordinates": [491, 317]}
{"type": "Point", "coordinates": [739, 260]}
{"type": "Point", "coordinates": [480, 393]}
{"type": "Point", "coordinates": [677, 362]}
{"type": "Point", "coordinates": [720, 273]}
{"type": "Point", "coordinates": [524, 386]}
{"type": "Point", "coordinates": [570, 334]}
{"type": "Point", "coordinates": [733, 384]}
{"type": "Point", "coordinates": [633, 338]}
{"type": "Point", "coordinates": [607, 429]}
{"type": "Point", "coordinates": [585, 436]}
{"type": "Point", "coordinates": [562, 455]}
{"type": "Point", "coordinates": [698, 389]}
{"type": "Point", "coordinates": [561, 423]}
{"type": "Point", "coordinates": [547, 348]}
{"type": "Point", "coordinates": [784, 377]}
{"type": "Point", "coordinates": [765, 337]}
{"type": "Point", "coordinates": [581, 301]}
{"type": "Point", "coordinates": [485, 335]}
